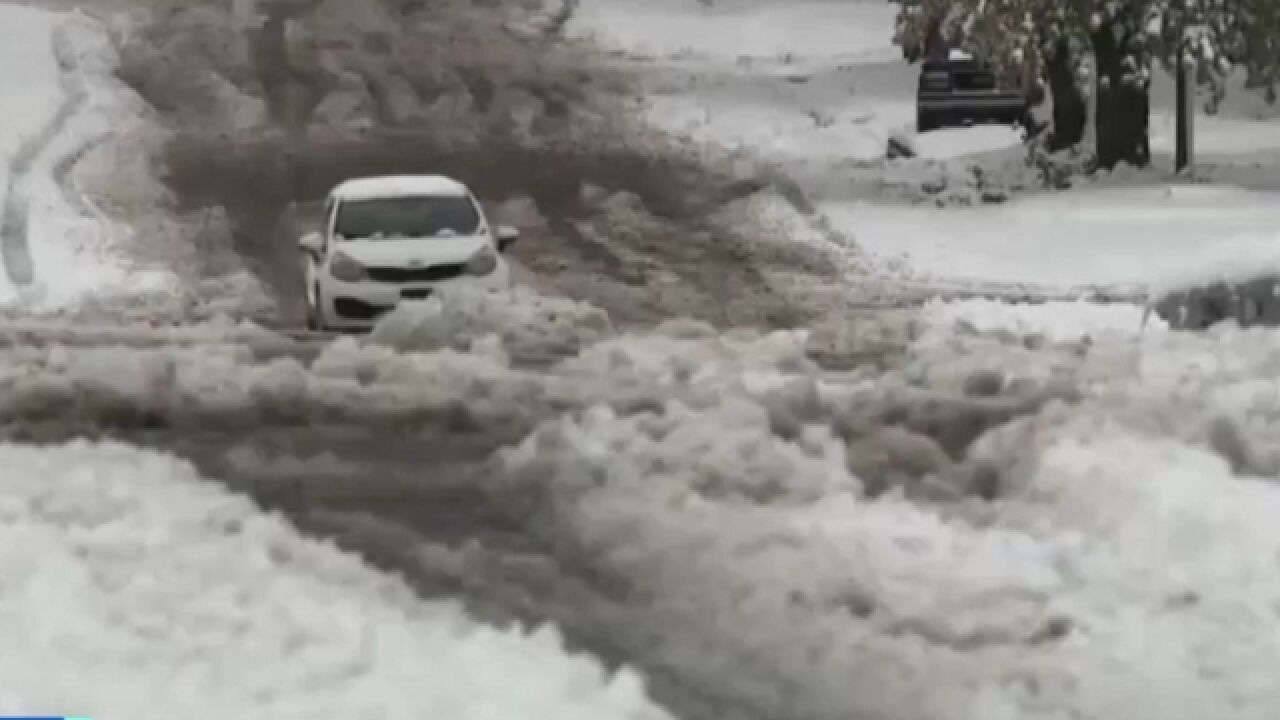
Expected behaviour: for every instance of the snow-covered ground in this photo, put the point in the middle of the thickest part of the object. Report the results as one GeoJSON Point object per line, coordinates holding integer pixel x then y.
{"type": "Point", "coordinates": [135, 588]}
{"type": "Point", "coordinates": [1127, 545]}
{"type": "Point", "coordinates": [59, 249]}
{"type": "Point", "coordinates": [823, 108]}
{"type": "Point", "coordinates": [157, 594]}
{"type": "Point", "coordinates": [1124, 236]}
{"type": "Point", "coordinates": [1001, 511]}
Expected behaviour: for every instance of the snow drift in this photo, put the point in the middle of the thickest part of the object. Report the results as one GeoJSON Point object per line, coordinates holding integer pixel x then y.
{"type": "Point", "coordinates": [1017, 517]}
{"type": "Point", "coordinates": [155, 593]}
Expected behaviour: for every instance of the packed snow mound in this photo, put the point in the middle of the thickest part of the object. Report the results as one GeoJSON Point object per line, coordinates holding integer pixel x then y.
{"type": "Point", "coordinates": [954, 142]}
{"type": "Point", "coordinates": [759, 543]}
{"type": "Point", "coordinates": [680, 350]}
{"type": "Point", "coordinates": [156, 593]}
{"type": "Point", "coordinates": [1000, 501]}
{"type": "Point", "coordinates": [1052, 321]}
{"type": "Point", "coordinates": [528, 323]}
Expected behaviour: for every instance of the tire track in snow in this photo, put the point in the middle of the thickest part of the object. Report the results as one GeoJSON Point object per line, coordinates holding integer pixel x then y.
{"type": "Point", "coordinates": [15, 214]}
{"type": "Point", "coordinates": [66, 183]}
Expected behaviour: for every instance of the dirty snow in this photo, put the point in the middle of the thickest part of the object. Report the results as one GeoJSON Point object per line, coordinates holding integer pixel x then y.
{"type": "Point", "coordinates": [526, 322]}
{"type": "Point", "coordinates": [150, 589]}
{"type": "Point", "coordinates": [1116, 558]}
{"type": "Point", "coordinates": [1035, 511]}
{"type": "Point", "coordinates": [155, 593]}
{"type": "Point", "coordinates": [1126, 548]}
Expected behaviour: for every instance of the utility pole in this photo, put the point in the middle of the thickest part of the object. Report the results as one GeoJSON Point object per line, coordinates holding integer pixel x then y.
{"type": "Point", "coordinates": [1186, 113]}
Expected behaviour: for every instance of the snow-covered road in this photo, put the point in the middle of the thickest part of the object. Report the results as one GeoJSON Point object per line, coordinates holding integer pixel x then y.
{"type": "Point", "coordinates": [961, 510]}
{"type": "Point", "coordinates": [132, 586]}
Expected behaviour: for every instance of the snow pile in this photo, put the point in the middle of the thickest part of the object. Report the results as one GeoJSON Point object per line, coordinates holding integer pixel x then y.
{"type": "Point", "coordinates": [74, 250]}
{"type": "Point", "coordinates": [1237, 259]}
{"type": "Point", "coordinates": [951, 142]}
{"type": "Point", "coordinates": [239, 294]}
{"type": "Point", "coordinates": [215, 385]}
{"type": "Point", "coordinates": [1111, 559]}
{"type": "Point", "coordinates": [1054, 321]}
{"type": "Point", "coordinates": [528, 323]}
{"type": "Point", "coordinates": [683, 356]}
{"type": "Point", "coordinates": [1109, 236]}
{"type": "Point", "coordinates": [89, 231]}
{"type": "Point", "coordinates": [158, 594]}
{"type": "Point", "coordinates": [1005, 501]}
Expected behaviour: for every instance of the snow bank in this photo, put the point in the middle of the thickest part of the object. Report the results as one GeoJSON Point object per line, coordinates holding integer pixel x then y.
{"type": "Point", "coordinates": [1232, 259]}
{"type": "Point", "coordinates": [900, 540]}
{"type": "Point", "coordinates": [1055, 321]}
{"type": "Point", "coordinates": [69, 248]}
{"type": "Point", "coordinates": [529, 324]}
{"type": "Point", "coordinates": [1112, 236]}
{"type": "Point", "coordinates": [738, 29]}
{"type": "Point", "coordinates": [29, 81]}
{"type": "Point", "coordinates": [1116, 557]}
{"type": "Point", "coordinates": [237, 385]}
{"type": "Point", "coordinates": [954, 142]}
{"type": "Point", "coordinates": [155, 593]}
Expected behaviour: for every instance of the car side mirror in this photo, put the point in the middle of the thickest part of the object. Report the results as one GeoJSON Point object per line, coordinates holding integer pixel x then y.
{"type": "Point", "coordinates": [507, 236]}
{"type": "Point", "coordinates": [312, 242]}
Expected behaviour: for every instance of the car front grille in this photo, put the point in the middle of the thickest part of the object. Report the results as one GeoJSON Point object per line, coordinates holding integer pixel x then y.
{"type": "Point", "coordinates": [402, 275]}
{"type": "Point", "coordinates": [355, 309]}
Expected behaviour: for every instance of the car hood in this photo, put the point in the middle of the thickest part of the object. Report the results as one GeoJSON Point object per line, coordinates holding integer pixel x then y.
{"type": "Point", "coordinates": [409, 252]}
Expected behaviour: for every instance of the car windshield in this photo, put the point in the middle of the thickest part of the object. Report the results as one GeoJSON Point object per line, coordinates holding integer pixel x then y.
{"type": "Point", "coordinates": [420, 216]}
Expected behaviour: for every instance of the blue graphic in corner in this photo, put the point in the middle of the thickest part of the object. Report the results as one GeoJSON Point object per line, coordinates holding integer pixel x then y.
{"type": "Point", "coordinates": [44, 717]}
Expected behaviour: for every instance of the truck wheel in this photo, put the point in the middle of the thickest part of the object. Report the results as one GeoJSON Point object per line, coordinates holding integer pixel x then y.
{"type": "Point", "coordinates": [925, 122]}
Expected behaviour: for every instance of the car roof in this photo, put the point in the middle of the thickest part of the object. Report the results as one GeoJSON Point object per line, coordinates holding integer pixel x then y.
{"type": "Point", "coordinates": [399, 186]}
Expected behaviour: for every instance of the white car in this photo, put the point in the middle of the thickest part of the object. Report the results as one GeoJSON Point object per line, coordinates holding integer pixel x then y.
{"type": "Point", "coordinates": [394, 237]}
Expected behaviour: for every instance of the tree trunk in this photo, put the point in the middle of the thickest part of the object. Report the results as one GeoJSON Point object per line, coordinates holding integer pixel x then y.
{"type": "Point", "coordinates": [935, 44]}
{"type": "Point", "coordinates": [1069, 110]}
{"type": "Point", "coordinates": [1186, 114]}
{"type": "Point", "coordinates": [1123, 103]}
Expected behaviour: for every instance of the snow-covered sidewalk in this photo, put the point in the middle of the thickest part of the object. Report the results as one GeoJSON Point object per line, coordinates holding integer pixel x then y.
{"type": "Point", "coordinates": [1110, 236]}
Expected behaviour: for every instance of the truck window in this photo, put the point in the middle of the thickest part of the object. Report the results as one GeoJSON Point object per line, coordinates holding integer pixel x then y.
{"type": "Point", "coordinates": [936, 81]}
{"type": "Point", "coordinates": [974, 80]}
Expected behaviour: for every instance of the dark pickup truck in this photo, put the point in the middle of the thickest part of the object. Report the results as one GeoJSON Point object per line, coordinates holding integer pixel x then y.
{"type": "Point", "coordinates": [962, 91]}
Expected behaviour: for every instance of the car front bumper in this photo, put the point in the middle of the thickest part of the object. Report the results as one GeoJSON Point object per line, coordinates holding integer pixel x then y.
{"type": "Point", "coordinates": [359, 305]}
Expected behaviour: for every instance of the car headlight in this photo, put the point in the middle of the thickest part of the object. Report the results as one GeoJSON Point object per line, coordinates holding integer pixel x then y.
{"type": "Point", "coordinates": [345, 268]}
{"type": "Point", "coordinates": [482, 263]}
